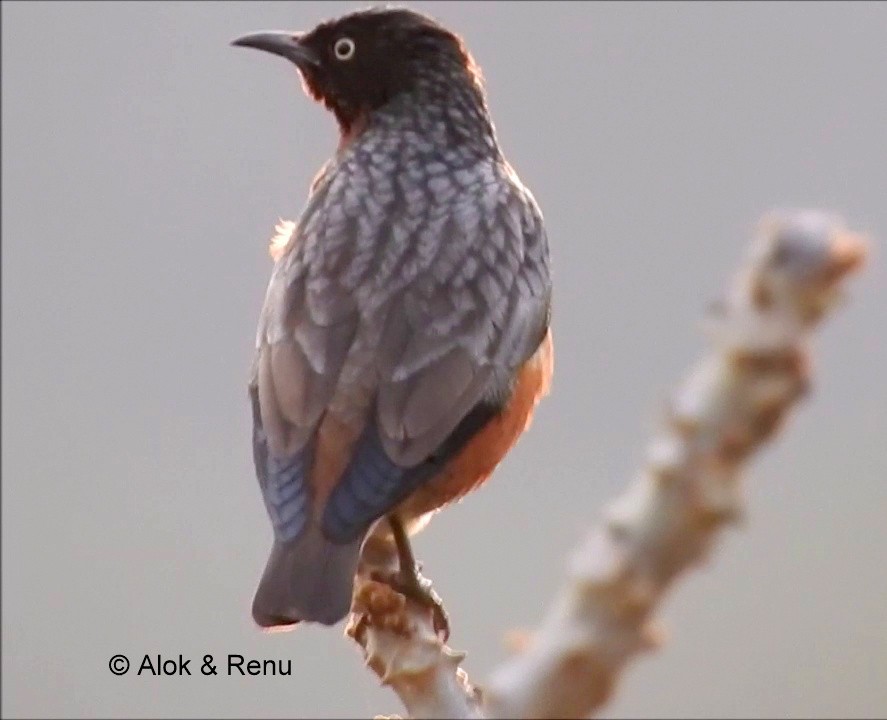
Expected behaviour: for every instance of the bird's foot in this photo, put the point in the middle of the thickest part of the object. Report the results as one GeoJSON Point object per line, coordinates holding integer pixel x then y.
{"type": "Point", "coordinates": [409, 582]}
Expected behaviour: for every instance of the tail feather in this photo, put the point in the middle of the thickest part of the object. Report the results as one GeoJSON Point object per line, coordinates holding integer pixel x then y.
{"type": "Point", "coordinates": [308, 579]}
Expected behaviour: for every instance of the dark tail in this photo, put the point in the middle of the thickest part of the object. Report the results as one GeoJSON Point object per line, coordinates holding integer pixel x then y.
{"type": "Point", "coordinates": [309, 579]}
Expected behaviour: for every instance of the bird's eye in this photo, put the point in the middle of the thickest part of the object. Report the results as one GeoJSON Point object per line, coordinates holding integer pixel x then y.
{"type": "Point", "coordinates": [344, 48]}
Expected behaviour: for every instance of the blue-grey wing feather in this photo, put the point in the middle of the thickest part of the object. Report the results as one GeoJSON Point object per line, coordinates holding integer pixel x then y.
{"type": "Point", "coordinates": [473, 290]}
{"type": "Point", "coordinates": [306, 328]}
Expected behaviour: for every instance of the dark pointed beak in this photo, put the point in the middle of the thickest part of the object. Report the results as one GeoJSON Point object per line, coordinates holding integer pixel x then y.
{"type": "Point", "coordinates": [285, 44]}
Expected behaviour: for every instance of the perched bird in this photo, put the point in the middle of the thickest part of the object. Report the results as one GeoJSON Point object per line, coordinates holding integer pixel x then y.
{"type": "Point", "coordinates": [404, 340]}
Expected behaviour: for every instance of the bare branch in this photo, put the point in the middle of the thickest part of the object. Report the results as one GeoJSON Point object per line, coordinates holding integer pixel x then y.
{"type": "Point", "coordinates": [729, 406]}
{"type": "Point", "coordinates": [400, 645]}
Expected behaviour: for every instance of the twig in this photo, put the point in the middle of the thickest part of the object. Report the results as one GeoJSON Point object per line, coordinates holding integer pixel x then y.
{"type": "Point", "coordinates": [401, 647]}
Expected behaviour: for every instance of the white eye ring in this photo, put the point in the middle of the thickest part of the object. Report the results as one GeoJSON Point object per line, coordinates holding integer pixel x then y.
{"type": "Point", "coordinates": [344, 48]}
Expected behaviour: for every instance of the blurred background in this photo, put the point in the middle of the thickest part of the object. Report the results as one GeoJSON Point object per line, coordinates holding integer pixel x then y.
{"type": "Point", "coordinates": [145, 163]}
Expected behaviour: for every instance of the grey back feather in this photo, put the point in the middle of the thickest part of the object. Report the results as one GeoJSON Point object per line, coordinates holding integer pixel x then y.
{"type": "Point", "coordinates": [414, 287]}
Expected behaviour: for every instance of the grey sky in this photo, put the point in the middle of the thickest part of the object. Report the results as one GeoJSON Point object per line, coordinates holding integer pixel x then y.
{"type": "Point", "coordinates": [145, 163]}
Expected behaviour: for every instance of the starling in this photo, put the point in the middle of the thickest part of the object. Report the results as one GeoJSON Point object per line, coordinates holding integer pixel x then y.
{"type": "Point", "coordinates": [404, 340]}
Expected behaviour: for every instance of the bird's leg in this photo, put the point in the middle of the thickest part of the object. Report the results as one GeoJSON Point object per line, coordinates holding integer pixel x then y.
{"type": "Point", "coordinates": [409, 582]}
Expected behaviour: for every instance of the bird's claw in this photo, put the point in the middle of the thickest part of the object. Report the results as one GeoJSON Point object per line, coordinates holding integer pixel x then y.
{"type": "Point", "coordinates": [414, 587]}
{"type": "Point", "coordinates": [408, 580]}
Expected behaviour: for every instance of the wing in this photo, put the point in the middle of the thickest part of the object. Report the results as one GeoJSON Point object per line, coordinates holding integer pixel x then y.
{"type": "Point", "coordinates": [306, 328]}
{"type": "Point", "coordinates": [451, 344]}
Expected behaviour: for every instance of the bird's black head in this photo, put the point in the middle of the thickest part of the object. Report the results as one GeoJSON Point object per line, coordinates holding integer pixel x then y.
{"type": "Point", "coordinates": [361, 61]}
